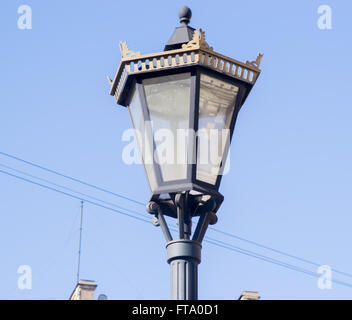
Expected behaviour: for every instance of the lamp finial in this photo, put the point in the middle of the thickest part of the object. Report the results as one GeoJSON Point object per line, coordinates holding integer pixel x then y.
{"type": "Point", "coordinates": [185, 15]}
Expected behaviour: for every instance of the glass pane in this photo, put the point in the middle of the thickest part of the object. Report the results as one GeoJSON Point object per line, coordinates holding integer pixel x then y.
{"type": "Point", "coordinates": [168, 101]}
{"type": "Point", "coordinates": [142, 132]}
{"type": "Point", "coordinates": [216, 105]}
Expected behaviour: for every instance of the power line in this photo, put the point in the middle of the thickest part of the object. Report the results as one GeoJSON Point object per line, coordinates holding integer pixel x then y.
{"type": "Point", "coordinates": [71, 178]}
{"type": "Point", "coordinates": [259, 256]}
{"type": "Point", "coordinates": [209, 240]}
{"type": "Point", "coordinates": [140, 203]}
{"type": "Point", "coordinates": [72, 190]}
{"type": "Point", "coordinates": [75, 197]}
{"type": "Point", "coordinates": [276, 251]}
{"type": "Point", "coordinates": [273, 261]}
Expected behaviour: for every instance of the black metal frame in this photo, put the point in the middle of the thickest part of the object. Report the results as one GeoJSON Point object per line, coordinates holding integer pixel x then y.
{"type": "Point", "coordinates": [190, 183]}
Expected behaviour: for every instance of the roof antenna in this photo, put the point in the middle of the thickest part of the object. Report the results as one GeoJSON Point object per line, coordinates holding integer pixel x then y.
{"type": "Point", "coordinates": [80, 242]}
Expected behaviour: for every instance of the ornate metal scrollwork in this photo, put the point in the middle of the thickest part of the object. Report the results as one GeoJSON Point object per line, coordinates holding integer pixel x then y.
{"type": "Point", "coordinates": [127, 53]}
{"type": "Point", "coordinates": [198, 41]}
{"type": "Point", "coordinates": [256, 63]}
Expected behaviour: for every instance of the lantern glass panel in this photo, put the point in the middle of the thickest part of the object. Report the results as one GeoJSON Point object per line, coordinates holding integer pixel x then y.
{"type": "Point", "coordinates": [217, 100]}
{"type": "Point", "coordinates": [142, 135]}
{"type": "Point", "coordinates": [168, 104]}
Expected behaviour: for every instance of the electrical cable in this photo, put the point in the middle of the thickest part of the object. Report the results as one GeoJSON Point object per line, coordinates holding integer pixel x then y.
{"type": "Point", "coordinates": [140, 203]}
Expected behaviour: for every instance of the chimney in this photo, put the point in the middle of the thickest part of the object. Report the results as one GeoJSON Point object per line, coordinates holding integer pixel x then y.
{"type": "Point", "coordinates": [249, 295]}
{"type": "Point", "coordinates": [84, 290]}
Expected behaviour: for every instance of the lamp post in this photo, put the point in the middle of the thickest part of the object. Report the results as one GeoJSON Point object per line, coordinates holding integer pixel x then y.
{"type": "Point", "coordinates": [193, 93]}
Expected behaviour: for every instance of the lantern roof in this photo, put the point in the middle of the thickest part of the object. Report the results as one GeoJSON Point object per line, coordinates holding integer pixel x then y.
{"type": "Point", "coordinates": [196, 51]}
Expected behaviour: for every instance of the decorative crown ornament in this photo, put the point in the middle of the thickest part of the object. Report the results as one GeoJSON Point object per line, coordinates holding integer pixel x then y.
{"type": "Point", "coordinates": [198, 41]}
{"type": "Point", "coordinates": [127, 53]}
{"type": "Point", "coordinates": [195, 51]}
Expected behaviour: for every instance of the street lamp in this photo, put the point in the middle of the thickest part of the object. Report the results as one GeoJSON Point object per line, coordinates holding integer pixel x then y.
{"type": "Point", "coordinates": [183, 103]}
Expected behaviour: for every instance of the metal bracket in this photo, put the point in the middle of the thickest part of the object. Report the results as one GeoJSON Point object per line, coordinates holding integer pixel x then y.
{"type": "Point", "coordinates": [159, 219]}
{"type": "Point", "coordinates": [207, 217]}
{"type": "Point", "coordinates": [183, 207]}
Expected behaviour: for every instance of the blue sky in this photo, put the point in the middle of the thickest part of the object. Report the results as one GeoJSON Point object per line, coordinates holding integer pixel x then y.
{"type": "Point", "coordinates": [289, 186]}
